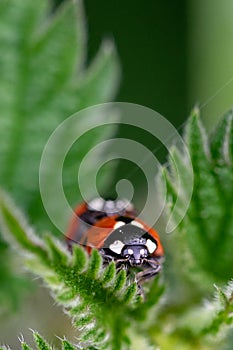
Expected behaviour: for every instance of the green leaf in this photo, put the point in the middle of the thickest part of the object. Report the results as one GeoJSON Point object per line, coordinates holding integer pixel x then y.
{"type": "Point", "coordinates": [96, 87]}
{"type": "Point", "coordinates": [130, 293]}
{"type": "Point", "coordinates": [95, 264]}
{"type": "Point", "coordinates": [44, 80]}
{"type": "Point", "coordinates": [101, 302]}
{"type": "Point", "coordinates": [109, 273]}
{"type": "Point", "coordinates": [204, 238]}
{"type": "Point", "coordinates": [120, 281]}
{"type": "Point", "coordinates": [79, 259]}
{"type": "Point", "coordinates": [67, 346]}
{"type": "Point", "coordinates": [23, 234]}
{"type": "Point", "coordinates": [13, 284]}
{"type": "Point", "coordinates": [212, 318]}
{"type": "Point", "coordinates": [57, 253]}
{"type": "Point", "coordinates": [24, 346]}
{"type": "Point", "coordinates": [221, 140]}
{"type": "Point", "coordinates": [40, 342]}
{"type": "Point", "coordinates": [223, 306]}
{"type": "Point", "coordinates": [179, 176]}
{"type": "Point", "coordinates": [15, 223]}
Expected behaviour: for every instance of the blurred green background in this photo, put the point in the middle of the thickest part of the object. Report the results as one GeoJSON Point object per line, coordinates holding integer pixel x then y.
{"type": "Point", "coordinates": [172, 55]}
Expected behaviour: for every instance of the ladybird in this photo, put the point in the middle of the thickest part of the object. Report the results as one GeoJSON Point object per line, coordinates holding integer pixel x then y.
{"type": "Point", "coordinates": [113, 228]}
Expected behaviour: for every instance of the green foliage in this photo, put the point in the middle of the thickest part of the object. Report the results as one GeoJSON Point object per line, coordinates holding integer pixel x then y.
{"type": "Point", "coordinates": [102, 303]}
{"type": "Point", "coordinates": [223, 307]}
{"type": "Point", "coordinates": [44, 80]}
{"type": "Point", "coordinates": [204, 238]}
{"type": "Point", "coordinates": [12, 283]}
{"type": "Point", "coordinates": [41, 344]}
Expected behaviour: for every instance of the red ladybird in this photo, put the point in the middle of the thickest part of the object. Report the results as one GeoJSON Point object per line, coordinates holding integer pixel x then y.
{"type": "Point", "coordinates": [113, 229]}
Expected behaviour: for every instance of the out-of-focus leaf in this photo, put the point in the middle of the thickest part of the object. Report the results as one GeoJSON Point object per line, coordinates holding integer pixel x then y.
{"type": "Point", "coordinates": [44, 79]}
{"type": "Point", "coordinates": [101, 301]}
{"type": "Point", "coordinates": [204, 239]}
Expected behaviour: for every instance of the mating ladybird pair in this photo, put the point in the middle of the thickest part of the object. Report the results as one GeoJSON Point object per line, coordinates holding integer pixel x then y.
{"type": "Point", "coordinates": [113, 228]}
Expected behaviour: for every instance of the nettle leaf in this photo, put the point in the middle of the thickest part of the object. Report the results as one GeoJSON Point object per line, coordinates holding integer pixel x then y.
{"type": "Point", "coordinates": [13, 283]}
{"type": "Point", "coordinates": [44, 80]}
{"type": "Point", "coordinates": [101, 302]}
{"type": "Point", "coordinates": [41, 344]}
{"type": "Point", "coordinates": [211, 321]}
{"type": "Point", "coordinates": [223, 306]}
{"type": "Point", "coordinates": [204, 238]}
{"type": "Point", "coordinates": [221, 141]}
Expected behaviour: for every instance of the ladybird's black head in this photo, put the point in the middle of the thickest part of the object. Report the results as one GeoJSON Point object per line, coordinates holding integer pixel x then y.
{"type": "Point", "coordinates": [135, 254]}
{"type": "Point", "coordinates": [129, 241]}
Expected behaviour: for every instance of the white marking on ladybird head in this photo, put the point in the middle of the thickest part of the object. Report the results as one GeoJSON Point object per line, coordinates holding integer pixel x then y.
{"type": "Point", "coordinates": [130, 251]}
{"type": "Point", "coordinates": [118, 224]}
{"type": "Point", "coordinates": [143, 251]}
{"type": "Point", "coordinates": [136, 223]}
{"type": "Point", "coordinates": [151, 246]}
{"type": "Point", "coordinates": [116, 247]}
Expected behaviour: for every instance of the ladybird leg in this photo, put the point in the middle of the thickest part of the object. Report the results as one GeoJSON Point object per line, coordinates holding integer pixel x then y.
{"type": "Point", "coordinates": [152, 270]}
{"type": "Point", "coordinates": [106, 258]}
{"type": "Point", "coordinates": [121, 265]}
{"type": "Point", "coordinates": [140, 291]}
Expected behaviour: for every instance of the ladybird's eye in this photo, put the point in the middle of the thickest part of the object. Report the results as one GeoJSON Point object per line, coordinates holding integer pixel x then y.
{"type": "Point", "coordinates": [151, 246]}
{"type": "Point", "coordinates": [143, 252]}
{"type": "Point", "coordinates": [130, 251]}
{"type": "Point", "coordinates": [127, 253]}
